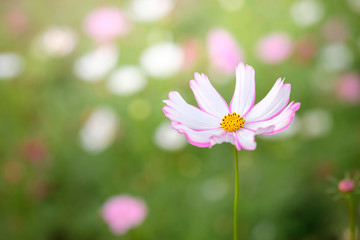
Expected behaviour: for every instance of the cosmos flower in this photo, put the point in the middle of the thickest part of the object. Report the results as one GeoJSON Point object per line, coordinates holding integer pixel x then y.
{"type": "Point", "coordinates": [123, 212]}
{"type": "Point", "coordinates": [106, 24]}
{"type": "Point", "coordinates": [346, 185]}
{"type": "Point", "coordinates": [224, 52]}
{"type": "Point", "coordinates": [348, 87]}
{"type": "Point", "coordinates": [238, 123]}
{"type": "Point", "coordinates": [274, 48]}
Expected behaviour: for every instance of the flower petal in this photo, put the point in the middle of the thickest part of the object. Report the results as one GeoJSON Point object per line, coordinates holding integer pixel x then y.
{"type": "Point", "coordinates": [276, 124]}
{"type": "Point", "coordinates": [244, 94]}
{"type": "Point", "coordinates": [272, 104]}
{"type": "Point", "coordinates": [245, 139]}
{"type": "Point", "coordinates": [207, 97]}
{"type": "Point", "coordinates": [225, 137]}
{"type": "Point", "coordinates": [179, 111]}
{"type": "Point", "coordinates": [202, 138]}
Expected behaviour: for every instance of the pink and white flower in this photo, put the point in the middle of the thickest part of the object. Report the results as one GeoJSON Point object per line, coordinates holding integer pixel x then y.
{"type": "Point", "coordinates": [123, 212]}
{"type": "Point", "coordinates": [348, 87]}
{"type": "Point", "coordinates": [107, 23]}
{"type": "Point", "coordinates": [274, 48]}
{"type": "Point", "coordinates": [224, 52]}
{"type": "Point", "coordinates": [238, 123]}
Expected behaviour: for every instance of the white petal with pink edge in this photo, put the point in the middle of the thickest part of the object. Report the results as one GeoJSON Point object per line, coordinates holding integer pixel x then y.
{"type": "Point", "coordinates": [272, 104]}
{"type": "Point", "coordinates": [276, 124]}
{"type": "Point", "coordinates": [180, 111]}
{"type": "Point", "coordinates": [245, 139]}
{"type": "Point", "coordinates": [207, 97]}
{"type": "Point", "coordinates": [229, 137]}
{"type": "Point", "coordinates": [201, 138]}
{"type": "Point", "coordinates": [244, 94]}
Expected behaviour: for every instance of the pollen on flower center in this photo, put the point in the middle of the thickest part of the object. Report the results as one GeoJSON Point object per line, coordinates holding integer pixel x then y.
{"type": "Point", "coordinates": [232, 122]}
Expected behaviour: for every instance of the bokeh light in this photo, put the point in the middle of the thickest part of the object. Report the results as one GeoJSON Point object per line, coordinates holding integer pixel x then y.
{"type": "Point", "coordinates": [105, 24]}
{"type": "Point", "coordinates": [95, 65]}
{"type": "Point", "coordinates": [162, 60]}
{"type": "Point", "coordinates": [11, 65]}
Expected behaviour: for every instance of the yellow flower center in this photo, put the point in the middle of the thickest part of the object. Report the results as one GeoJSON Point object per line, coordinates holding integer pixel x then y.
{"type": "Point", "coordinates": [232, 122]}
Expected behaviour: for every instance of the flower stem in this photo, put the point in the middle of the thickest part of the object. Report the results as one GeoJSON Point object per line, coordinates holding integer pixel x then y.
{"type": "Point", "coordinates": [236, 194]}
{"type": "Point", "coordinates": [351, 217]}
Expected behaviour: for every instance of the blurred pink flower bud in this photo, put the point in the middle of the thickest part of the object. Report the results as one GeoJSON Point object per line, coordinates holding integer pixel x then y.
{"type": "Point", "coordinates": [191, 50]}
{"type": "Point", "coordinates": [123, 212]}
{"type": "Point", "coordinates": [348, 87]}
{"type": "Point", "coordinates": [35, 150]}
{"type": "Point", "coordinates": [346, 185]}
{"type": "Point", "coordinates": [335, 30]}
{"type": "Point", "coordinates": [274, 48]}
{"type": "Point", "coordinates": [16, 20]}
{"type": "Point", "coordinates": [105, 24]}
{"type": "Point", "coordinates": [224, 52]}
{"type": "Point", "coordinates": [305, 49]}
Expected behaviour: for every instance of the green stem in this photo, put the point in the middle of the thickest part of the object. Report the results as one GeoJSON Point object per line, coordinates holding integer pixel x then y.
{"type": "Point", "coordinates": [351, 217]}
{"type": "Point", "coordinates": [236, 194]}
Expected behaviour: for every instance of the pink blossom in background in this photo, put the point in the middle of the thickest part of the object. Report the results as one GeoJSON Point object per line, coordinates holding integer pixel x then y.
{"type": "Point", "coordinates": [305, 49]}
{"type": "Point", "coordinates": [346, 185]}
{"type": "Point", "coordinates": [105, 24]}
{"type": "Point", "coordinates": [35, 150]}
{"type": "Point", "coordinates": [224, 52]}
{"type": "Point", "coordinates": [274, 48]}
{"type": "Point", "coordinates": [123, 212]}
{"type": "Point", "coordinates": [335, 30]}
{"type": "Point", "coordinates": [348, 87]}
{"type": "Point", "coordinates": [192, 49]}
{"type": "Point", "coordinates": [16, 20]}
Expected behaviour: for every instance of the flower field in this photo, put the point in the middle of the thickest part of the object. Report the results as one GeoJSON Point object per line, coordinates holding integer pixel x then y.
{"type": "Point", "coordinates": [86, 151]}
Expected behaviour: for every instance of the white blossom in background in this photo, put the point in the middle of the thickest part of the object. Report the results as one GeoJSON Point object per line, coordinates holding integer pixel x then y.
{"type": "Point", "coordinates": [231, 5]}
{"type": "Point", "coordinates": [307, 12]}
{"type": "Point", "coordinates": [150, 10]}
{"type": "Point", "coordinates": [168, 139]}
{"type": "Point", "coordinates": [94, 65]}
{"type": "Point", "coordinates": [335, 57]}
{"type": "Point", "coordinates": [214, 189]}
{"type": "Point", "coordinates": [11, 65]}
{"type": "Point", "coordinates": [316, 123]}
{"type": "Point", "coordinates": [58, 41]}
{"type": "Point", "coordinates": [162, 60]}
{"type": "Point", "coordinates": [127, 80]}
{"type": "Point", "coordinates": [354, 5]}
{"type": "Point", "coordinates": [99, 130]}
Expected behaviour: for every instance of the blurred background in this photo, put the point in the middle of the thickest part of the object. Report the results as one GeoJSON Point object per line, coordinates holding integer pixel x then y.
{"type": "Point", "coordinates": [83, 139]}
